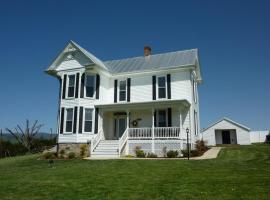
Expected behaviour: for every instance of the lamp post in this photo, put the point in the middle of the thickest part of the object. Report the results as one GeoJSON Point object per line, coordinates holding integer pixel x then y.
{"type": "Point", "coordinates": [187, 131]}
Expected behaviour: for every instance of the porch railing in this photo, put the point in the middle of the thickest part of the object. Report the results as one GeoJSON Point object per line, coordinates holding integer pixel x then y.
{"type": "Point", "coordinates": [96, 140]}
{"type": "Point", "coordinates": [154, 133]}
{"type": "Point", "coordinates": [122, 141]}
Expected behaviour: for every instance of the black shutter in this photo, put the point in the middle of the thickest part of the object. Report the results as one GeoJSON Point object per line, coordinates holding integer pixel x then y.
{"type": "Point", "coordinates": [169, 86]}
{"type": "Point", "coordinates": [62, 120]}
{"type": "Point", "coordinates": [155, 118]}
{"type": "Point", "coordinates": [115, 91]}
{"type": "Point", "coordinates": [154, 87]}
{"type": "Point", "coordinates": [81, 120]}
{"type": "Point", "coordinates": [169, 117]}
{"type": "Point", "coordinates": [77, 85]}
{"type": "Point", "coordinates": [75, 120]}
{"type": "Point", "coordinates": [96, 120]}
{"type": "Point", "coordinates": [82, 85]}
{"type": "Point", "coordinates": [64, 87]}
{"type": "Point", "coordinates": [97, 85]}
{"type": "Point", "coordinates": [128, 90]}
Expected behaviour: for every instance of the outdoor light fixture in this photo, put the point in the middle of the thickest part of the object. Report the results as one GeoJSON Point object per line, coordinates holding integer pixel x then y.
{"type": "Point", "coordinates": [187, 131]}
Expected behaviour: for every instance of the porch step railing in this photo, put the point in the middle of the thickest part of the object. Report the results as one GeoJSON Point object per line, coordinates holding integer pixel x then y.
{"type": "Point", "coordinates": [154, 133]}
{"type": "Point", "coordinates": [95, 141]}
{"type": "Point", "coordinates": [122, 141]}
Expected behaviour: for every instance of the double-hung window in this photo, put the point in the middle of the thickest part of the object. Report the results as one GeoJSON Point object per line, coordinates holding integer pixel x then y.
{"type": "Point", "coordinates": [161, 118]}
{"type": "Point", "coordinates": [71, 85]}
{"type": "Point", "coordinates": [69, 120]}
{"type": "Point", "coordinates": [161, 87]}
{"type": "Point", "coordinates": [90, 85]}
{"type": "Point", "coordinates": [123, 90]}
{"type": "Point", "coordinates": [88, 120]}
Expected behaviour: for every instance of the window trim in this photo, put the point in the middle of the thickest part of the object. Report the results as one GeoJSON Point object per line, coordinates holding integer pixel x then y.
{"type": "Point", "coordinates": [157, 87]}
{"type": "Point", "coordinates": [67, 86]}
{"type": "Point", "coordinates": [157, 117]}
{"type": "Point", "coordinates": [83, 123]}
{"type": "Point", "coordinates": [65, 122]}
{"type": "Point", "coordinates": [94, 86]}
{"type": "Point", "coordinates": [125, 80]}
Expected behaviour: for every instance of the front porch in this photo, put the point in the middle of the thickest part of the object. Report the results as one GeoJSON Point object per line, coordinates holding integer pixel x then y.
{"type": "Point", "coordinates": [152, 127]}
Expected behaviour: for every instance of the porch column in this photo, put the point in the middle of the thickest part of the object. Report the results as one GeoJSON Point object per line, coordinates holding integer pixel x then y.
{"type": "Point", "coordinates": [127, 118]}
{"type": "Point", "coordinates": [181, 128]}
{"type": "Point", "coordinates": [153, 129]}
{"type": "Point", "coordinates": [100, 121]}
{"type": "Point", "coordinates": [127, 144]}
{"type": "Point", "coordinates": [180, 121]}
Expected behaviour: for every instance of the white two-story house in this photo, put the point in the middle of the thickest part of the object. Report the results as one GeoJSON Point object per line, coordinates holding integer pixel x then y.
{"type": "Point", "coordinates": [147, 101]}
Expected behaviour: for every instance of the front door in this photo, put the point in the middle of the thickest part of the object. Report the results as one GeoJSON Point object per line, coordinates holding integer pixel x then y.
{"type": "Point", "coordinates": [120, 125]}
{"type": "Point", "coordinates": [226, 139]}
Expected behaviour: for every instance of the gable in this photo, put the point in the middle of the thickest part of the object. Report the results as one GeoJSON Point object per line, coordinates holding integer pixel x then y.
{"type": "Point", "coordinates": [226, 123]}
{"type": "Point", "coordinates": [73, 56]}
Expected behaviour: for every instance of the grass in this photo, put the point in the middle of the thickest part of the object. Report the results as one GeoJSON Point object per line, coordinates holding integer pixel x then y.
{"type": "Point", "coordinates": [240, 172]}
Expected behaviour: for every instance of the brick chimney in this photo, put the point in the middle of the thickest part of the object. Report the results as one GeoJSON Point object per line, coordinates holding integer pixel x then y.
{"type": "Point", "coordinates": [147, 51]}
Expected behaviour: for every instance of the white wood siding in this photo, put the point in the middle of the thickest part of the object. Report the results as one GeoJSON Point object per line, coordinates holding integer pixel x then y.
{"type": "Point", "coordinates": [140, 91]}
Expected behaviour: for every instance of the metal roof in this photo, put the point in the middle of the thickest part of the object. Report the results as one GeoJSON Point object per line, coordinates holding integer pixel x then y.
{"type": "Point", "coordinates": [153, 62]}
{"type": "Point", "coordinates": [161, 61]}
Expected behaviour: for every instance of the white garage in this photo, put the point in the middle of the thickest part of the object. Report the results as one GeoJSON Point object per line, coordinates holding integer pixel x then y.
{"type": "Point", "coordinates": [226, 131]}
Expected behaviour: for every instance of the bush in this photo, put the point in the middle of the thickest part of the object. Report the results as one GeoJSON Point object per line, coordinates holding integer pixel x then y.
{"type": "Point", "coordinates": [267, 139]}
{"type": "Point", "coordinates": [62, 153]}
{"type": "Point", "coordinates": [172, 154]}
{"type": "Point", "coordinates": [129, 156]}
{"type": "Point", "coordinates": [151, 155]}
{"type": "Point", "coordinates": [193, 153]}
{"type": "Point", "coordinates": [139, 153]}
{"type": "Point", "coordinates": [48, 155]}
{"type": "Point", "coordinates": [71, 155]}
{"type": "Point", "coordinates": [200, 147]}
{"type": "Point", "coordinates": [83, 150]}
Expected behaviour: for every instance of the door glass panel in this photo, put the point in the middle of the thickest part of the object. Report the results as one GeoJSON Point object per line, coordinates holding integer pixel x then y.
{"type": "Point", "coordinates": [162, 118]}
{"type": "Point", "coordinates": [122, 126]}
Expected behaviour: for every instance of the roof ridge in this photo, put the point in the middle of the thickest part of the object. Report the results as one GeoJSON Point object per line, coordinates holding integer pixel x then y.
{"type": "Point", "coordinates": [122, 59]}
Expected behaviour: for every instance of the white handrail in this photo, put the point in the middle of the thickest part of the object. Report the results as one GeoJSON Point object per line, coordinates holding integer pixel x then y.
{"type": "Point", "coordinates": [96, 140]}
{"type": "Point", "coordinates": [159, 132]}
{"type": "Point", "coordinates": [167, 132]}
{"type": "Point", "coordinates": [122, 141]}
{"type": "Point", "coordinates": [140, 133]}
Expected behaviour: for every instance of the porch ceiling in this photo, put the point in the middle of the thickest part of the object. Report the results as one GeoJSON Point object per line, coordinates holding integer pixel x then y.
{"type": "Point", "coordinates": [144, 105]}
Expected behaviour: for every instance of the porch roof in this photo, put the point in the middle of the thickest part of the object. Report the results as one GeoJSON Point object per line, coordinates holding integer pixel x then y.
{"type": "Point", "coordinates": [145, 104]}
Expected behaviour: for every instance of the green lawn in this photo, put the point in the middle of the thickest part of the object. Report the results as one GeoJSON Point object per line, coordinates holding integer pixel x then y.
{"type": "Point", "coordinates": [238, 173]}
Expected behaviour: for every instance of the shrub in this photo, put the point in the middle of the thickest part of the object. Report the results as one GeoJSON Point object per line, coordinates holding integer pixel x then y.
{"type": "Point", "coordinates": [151, 155]}
{"type": "Point", "coordinates": [193, 153]}
{"type": "Point", "coordinates": [139, 152]}
{"type": "Point", "coordinates": [62, 153]}
{"type": "Point", "coordinates": [200, 147]}
{"type": "Point", "coordinates": [71, 155]}
{"type": "Point", "coordinates": [48, 155]}
{"type": "Point", "coordinates": [83, 150]}
{"type": "Point", "coordinates": [129, 156]}
{"type": "Point", "coordinates": [268, 139]}
{"type": "Point", "coordinates": [172, 154]}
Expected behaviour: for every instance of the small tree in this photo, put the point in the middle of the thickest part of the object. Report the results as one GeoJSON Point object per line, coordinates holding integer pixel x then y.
{"type": "Point", "coordinates": [26, 136]}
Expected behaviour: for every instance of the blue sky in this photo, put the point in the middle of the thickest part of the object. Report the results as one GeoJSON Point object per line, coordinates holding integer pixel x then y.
{"type": "Point", "coordinates": [232, 37]}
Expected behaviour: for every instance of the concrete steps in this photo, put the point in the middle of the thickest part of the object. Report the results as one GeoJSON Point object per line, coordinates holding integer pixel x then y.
{"type": "Point", "coordinates": [106, 149]}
